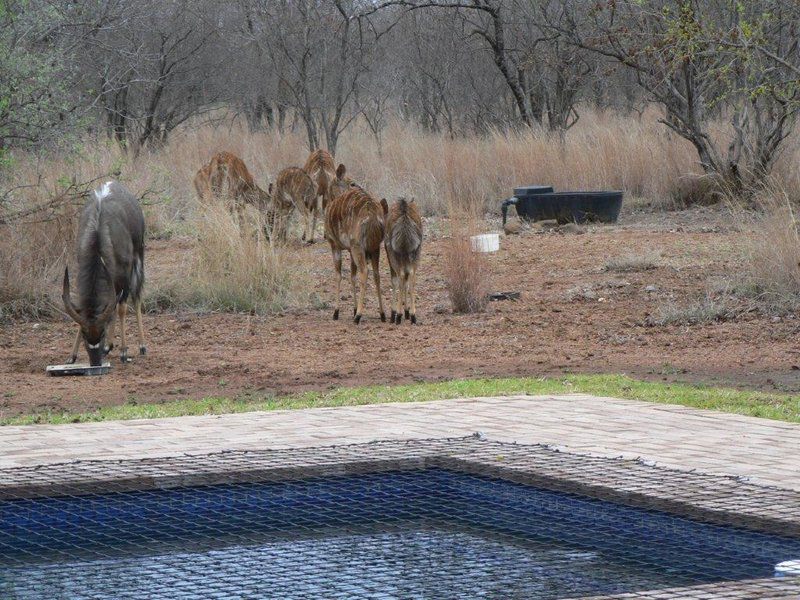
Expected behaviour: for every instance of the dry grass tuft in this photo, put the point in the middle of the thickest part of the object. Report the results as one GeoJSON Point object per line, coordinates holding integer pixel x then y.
{"type": "Point", "coordinates": [466, 273]}
{"type": "Point", "coordinates": [696, 190]}
{"type": "Point", "coordinates": [771, 268]}
{"type": "Point", "coordinates": [710, 308]}
{"type": "Point", "coordinates": [33, 252]}
{"type": "Point", "coordinates": [630, 263]}
{"type": "Point", "coordinates": [235, 268]}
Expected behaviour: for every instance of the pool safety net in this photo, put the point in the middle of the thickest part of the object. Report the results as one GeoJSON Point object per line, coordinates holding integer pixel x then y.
{"type": "Point", "coordinates": [421, 519]}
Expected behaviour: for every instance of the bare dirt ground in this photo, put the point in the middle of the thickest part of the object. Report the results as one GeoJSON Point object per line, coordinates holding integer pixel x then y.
{"type": "Point", "coordinates": [573, 316]}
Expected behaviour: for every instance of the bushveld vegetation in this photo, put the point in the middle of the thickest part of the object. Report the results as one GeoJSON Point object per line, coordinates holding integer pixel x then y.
{"type": "Point", "coordinates": [465, 175]}
{"type": "Point", "coordinates": [451, 103]}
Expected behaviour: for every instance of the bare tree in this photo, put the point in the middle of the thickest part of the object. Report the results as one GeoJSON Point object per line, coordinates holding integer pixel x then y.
{"type": "Point", "coordinates": [543, 75]}
{"type": "Point", "coordinates": [154, 65]}
{"type": "Point", "coordinates": [321, 51]}
{"type": "Point", "coordinates": [705, 59]}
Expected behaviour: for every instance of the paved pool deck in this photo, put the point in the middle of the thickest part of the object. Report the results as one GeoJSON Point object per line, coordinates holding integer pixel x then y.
{"type": "Point", "coordinates": [761, 450]}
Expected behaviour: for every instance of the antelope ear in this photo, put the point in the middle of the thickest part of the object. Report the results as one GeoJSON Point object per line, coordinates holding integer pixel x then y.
{"type": "Point", "coordinates": [67, 299]}
{"type": "Point", "coordinates": [385, 206]}
{"type": "Point", "coordinates": [340, 171]}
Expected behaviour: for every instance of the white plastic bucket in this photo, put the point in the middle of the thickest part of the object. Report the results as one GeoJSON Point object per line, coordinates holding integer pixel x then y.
{"type": "Point", "coordinates": [486, 242]}
{"type": "Point", "coordinates": [788, 568]}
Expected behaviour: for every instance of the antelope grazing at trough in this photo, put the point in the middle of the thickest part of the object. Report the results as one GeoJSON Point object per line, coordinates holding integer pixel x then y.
{"type": "Point", "coordinates": [295, 189]}
{"type": "Point", "coordinates": [403, 242]}
{"type": "Point", "coordinates": [354, 221]}
{"type": "Point", "coordinates": [226, 176]}
{"type": "Point", "coordinates": [331, 181]}
{"type": "Point", "coordinates": [110, 271]}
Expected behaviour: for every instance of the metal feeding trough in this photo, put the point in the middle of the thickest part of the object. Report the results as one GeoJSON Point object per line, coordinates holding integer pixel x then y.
{"type": "Point", "coordinates": [62, 370]}
{"type": "Point", "coordinates": [540, 203]}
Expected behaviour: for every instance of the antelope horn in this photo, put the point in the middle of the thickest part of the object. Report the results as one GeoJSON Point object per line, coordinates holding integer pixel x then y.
{"type": "Point", "coordinates": [65, 296]}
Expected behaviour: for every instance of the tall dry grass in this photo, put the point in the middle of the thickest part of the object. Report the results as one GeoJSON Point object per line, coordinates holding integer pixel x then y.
{"type": "Point", "coordinates": [467, 274]}
{"type": "Point", "coordinates": [235, 268]}
{"type": "Point", "coordinates": [604, 150]}
{"type": "Point", "coordinates": [770, 270]}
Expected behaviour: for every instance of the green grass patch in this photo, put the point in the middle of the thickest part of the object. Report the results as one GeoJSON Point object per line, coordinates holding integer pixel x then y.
{"type": "Point", "coordinates": [757, 404]}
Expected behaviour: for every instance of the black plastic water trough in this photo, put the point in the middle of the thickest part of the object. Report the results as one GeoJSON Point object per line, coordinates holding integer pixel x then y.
{"type": "Point", "coordinates": [540, 203]}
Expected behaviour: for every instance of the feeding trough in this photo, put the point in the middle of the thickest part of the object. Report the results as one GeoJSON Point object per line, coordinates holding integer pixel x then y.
{"type": "Point", "coordinates": [540, 203]}
{"type": "Point", "coordinates": [63, 370]}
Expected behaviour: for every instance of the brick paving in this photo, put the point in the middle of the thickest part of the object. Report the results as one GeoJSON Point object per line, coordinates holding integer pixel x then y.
{"type": "Point", "coordinates": [761, 450]}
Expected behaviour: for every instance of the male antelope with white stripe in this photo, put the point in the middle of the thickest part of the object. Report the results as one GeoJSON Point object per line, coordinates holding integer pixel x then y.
{"type": "Point", "coordinates": [110, 271]}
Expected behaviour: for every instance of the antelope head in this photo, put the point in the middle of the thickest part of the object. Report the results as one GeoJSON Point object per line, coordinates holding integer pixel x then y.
{"type": "Point", "coordinates": [93, 327]}
{"type": "Point", "coordinates": [340, 184]}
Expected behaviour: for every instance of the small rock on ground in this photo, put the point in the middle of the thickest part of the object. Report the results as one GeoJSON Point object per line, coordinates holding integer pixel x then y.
{"type": "Point", "coordinates": [512, 227]}
{"type": "Point", "coordinates": [572, 228]}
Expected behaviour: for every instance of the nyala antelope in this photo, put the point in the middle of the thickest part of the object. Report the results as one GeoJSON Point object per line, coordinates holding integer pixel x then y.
{"type": "Point", "coordinates": [331, 181]}
{"type": "Point", "coordinates": [110, 271]}
{"type": "Point", "coordinates": [226, 176]}
{"type": "Point", "coordinates": [354, 221]}
{"type": "Point", "coordinates": [295, 189]}
{"type": "Point", "coordinates": [403, 242]}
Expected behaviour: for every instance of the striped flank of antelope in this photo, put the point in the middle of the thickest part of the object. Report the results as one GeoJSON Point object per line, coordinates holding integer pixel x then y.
{"type": "Point", "coordinates": [294, 189]}
{"type": "Point", "coordinates": [403, 242]}
{"type": "Point", "coordinates": [355, 221]}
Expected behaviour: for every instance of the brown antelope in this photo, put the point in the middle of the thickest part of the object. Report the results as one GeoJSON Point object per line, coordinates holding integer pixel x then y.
{"type": "Point", "coordinates": [354, 221]}
{"type": "Point", "coordinates": [110, 271]}
{"type": "Point", "coordinates": [403, 242]}
{"type": "Point", "coordinates": [226, 176]}
{"type": "Point", "coordinates": [295, 189]}
{"type": "Point", "coordinates": [331, 181]}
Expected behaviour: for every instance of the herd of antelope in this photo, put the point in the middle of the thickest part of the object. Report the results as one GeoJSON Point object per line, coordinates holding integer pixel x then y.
{"type": "Point", "coordinates": [110, 244]}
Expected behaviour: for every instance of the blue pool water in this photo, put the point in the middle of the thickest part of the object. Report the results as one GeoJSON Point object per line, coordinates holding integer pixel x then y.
{"type": "Point", "coordinates": [415, 534]}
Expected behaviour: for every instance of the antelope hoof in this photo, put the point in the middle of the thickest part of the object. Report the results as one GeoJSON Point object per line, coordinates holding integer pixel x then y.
{"type": "Point", "coordinates": [357, 319]}
{"type": "Point", "coordinates": [71, 360]}
{"type": "Point", "coordinates": [393, 315]}
{"type": "Point", "coordinates": [408, 315]}
{"type": "Point", "coordinates": [355, 311]}
{"type": "Point", "coordinates": [123, 357]}
{"type": "Point", "coordinates": [383, 317]}
{"type": "Point", "coordinates": [398, 319]}
{"type": "Point", "coordinates": [413, 319]}
{"type": "Point", "coordinates": [108, 349]}
{"type": "Point", "coordinates": [142, 350]}
{"type": "Point", "coordinates": [336, 315]}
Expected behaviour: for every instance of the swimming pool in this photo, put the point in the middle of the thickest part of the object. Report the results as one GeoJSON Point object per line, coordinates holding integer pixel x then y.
{"type": "Point", "coordinates": [415, 533]}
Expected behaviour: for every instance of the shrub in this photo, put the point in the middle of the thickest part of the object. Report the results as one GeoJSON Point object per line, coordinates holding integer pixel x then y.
{"type": "Point", "coordinates": [466, 273]}
{"type": "Point", "coordinates": [34, 245]}
{"type": "Point", "coordinates": [705, 310]}
{"type": "Point", "coordinates": [770, 272]}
